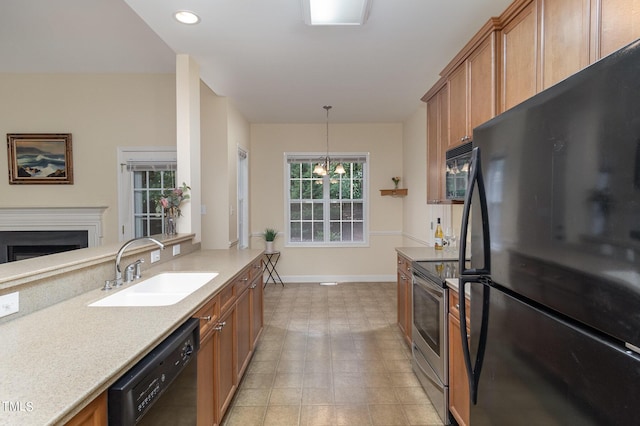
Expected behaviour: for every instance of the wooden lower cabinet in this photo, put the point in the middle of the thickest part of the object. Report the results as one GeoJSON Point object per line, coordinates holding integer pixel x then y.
{"type": "Point", "coordinates": [459, 401]}
{"type": "Point", "coordinates": [206, 393]}
{"type": "Point", "coordinates": [94, 414]}
{"type": "Point", "coordinates": [256, 298]}
{"type": "Point", "coordinates": [229, 329]}
{"type": "Point", "coordinates": [243, 317]}
{"type": "Point", "coordinates": [225, 355]}
{"type": "Point", "coordinates": [405, 301]}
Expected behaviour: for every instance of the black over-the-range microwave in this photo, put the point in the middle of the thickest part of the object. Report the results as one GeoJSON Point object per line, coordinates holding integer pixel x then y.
{"type": "Point", "coordinates": [457, 171]}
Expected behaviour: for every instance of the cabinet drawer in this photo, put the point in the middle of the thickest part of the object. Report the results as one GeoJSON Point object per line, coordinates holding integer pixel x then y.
{"type": "Point", "coordinates": [404, 265]}
{"type": "Point", "coordinates": [227, 297]}
{"type": "Point", "coordinates": [454, 308]}
{"type": "Point", "coordinates": [255, 269]}
{"type": "Point", "coordinates": [242, 283]}
{"type": "Point", "coordinates": [208, 316]}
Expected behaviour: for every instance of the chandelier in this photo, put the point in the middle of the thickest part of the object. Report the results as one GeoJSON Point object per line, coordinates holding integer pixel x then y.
{"type": "Point", "coordinates": [324, 167]}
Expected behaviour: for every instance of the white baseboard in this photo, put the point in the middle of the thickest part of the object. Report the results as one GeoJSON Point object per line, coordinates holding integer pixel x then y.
{"type": "Point", "coordinates": [337, 278]}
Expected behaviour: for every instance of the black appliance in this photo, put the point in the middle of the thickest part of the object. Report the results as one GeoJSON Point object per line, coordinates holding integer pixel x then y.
{"type": "Point", "coordinates": [554, 193]}
{"type": "Point", "coordinates": [162, 387]}
{"type": "Point", "coordinates": [457, 171]}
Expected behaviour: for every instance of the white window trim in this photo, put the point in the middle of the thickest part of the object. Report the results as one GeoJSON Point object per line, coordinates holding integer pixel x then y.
{"type": "Point", "coordinates": [125, 181]}
{"type": "Point", "coordinates": [365, 199]}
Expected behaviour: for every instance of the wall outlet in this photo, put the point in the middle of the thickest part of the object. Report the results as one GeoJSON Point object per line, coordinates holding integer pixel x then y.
{"type": "Point", "coordinates": [9, 304]}
{"type": "Point", "coordinates": [155, 256]}
{"type": "Point", "coordinates": [176, 249]}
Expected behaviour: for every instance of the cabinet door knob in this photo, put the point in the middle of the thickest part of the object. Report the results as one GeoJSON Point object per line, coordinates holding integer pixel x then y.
{"type": "Point", "coordinates": [207, 318]}
{"type": "Point", "coordinates": [220, 326]}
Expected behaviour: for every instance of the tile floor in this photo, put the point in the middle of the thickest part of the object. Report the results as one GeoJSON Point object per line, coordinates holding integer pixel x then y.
{"type": "Point", "coordinates": [330, 355]}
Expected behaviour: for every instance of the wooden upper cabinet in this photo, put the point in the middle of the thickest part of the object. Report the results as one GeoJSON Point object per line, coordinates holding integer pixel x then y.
{"type": "Point", "coordinates": [564, 45]}
{"type": "Point", "coordinates": [458, 128]}
{"type": "Point", "coordinates": [519, 38]}
{"type": "Point", "coordinates": [437, 138]}
{"type": "Point", "coordinates": [482, 82]}
{"type": "Point", "coordinates": [616, 25]}
{"type": "Point", "coordinates": [472, 86]}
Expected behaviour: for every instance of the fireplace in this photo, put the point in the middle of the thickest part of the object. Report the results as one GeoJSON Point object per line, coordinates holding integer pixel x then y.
{"type": "Point", "coordinates": [37, 231]}
{"type": "Point", "coordinates": [19, 245]}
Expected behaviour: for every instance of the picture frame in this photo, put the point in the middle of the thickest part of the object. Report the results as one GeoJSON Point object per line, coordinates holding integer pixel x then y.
{"type": "Point", "coordinates": [40, 158]}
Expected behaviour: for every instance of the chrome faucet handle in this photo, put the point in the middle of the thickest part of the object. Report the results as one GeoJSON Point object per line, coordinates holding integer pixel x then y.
{"type": "Point", "coordinates": [132, 271]}
{"type": "Point", "coordinates": [138, 271]}
{"type": "Point", "coordinates": [108, 285]}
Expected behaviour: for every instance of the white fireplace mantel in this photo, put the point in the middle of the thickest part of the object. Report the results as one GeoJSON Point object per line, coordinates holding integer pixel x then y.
{"type": "Point", "coordinates": [54, 219]}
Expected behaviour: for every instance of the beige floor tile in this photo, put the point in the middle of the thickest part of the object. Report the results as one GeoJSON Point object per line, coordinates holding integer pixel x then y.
{"type": "Point", "coordinates": [282, 415]}
{"type": "Point", "coordinates": [422, 414]}
{"type": "Point", "coordinates": [353, 415]}
{"type": "Point", "coordinates": [350, 396]}
{"type": "Point", "coordinates": [251, 397]}
{"type": "Point", "coordinates": [288, 380]}
{"type": "Point", "coordinates": [318, 415]}
{"type": "Point", "coordinates": [285, 396]}
{"type": "Point", "coordinates": [245, 416]}
{"type": "Point", "coordinates": [388, 414]}
{"type": "Point", "coordinates": [257, 381]}
{"type": "Point", "coordinates": [381, 396]}
{"type": "Point", "coordinates": [317, 396]}
{"type": "Point", "coordinates": [331, 356]}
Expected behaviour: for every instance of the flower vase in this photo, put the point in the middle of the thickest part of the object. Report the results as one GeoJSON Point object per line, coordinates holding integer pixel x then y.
{"type": "Point", "coordinates": [170, 222]}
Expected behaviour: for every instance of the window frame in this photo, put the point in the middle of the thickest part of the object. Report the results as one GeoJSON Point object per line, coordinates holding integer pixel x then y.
{"type": "Point", "coordinates": [314, 158]}
{"type": "Point", "coordinates": [160, 154]}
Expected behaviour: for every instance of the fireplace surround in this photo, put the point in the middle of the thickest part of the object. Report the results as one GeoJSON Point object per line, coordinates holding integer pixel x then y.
{"type": "Point", "coordinates": [34, 231]}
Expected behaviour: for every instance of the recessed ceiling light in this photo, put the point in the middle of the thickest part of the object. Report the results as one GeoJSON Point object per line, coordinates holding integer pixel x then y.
{"type": "Point", "coordinates": [186, 17]}
{"type": "Point", "coordinates": [335, 12]}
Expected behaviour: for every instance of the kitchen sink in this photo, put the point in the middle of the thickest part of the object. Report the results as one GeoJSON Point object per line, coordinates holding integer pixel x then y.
{"type": "Point", "coordinates": [167, 288]}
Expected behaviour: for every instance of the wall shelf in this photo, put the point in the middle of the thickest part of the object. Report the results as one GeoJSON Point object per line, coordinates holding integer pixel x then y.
{"type": "Point", "coordinates": [401, 192]}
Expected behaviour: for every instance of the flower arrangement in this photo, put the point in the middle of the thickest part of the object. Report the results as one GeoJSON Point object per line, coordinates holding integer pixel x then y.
{"type": "Point", "coordinates": [170, 201]}
{"type": "Point", "coordinates": [396, 181]}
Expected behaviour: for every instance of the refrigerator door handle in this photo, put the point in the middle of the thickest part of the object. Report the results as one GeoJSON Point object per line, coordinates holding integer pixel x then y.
{"type": "Point", "coordinates": [475, 275]}
{"type": "Point", "coordinates": [475, 178]}
{"type": "Point", "coordinates": [473, 372]}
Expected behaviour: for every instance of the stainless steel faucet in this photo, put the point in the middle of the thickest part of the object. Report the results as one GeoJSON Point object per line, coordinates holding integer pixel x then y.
{"type": "Point", "coordinates": [136, 264]}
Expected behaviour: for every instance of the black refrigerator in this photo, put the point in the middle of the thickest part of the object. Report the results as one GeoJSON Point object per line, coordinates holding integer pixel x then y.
{"type": "Point", "coordinates": [552, 213]}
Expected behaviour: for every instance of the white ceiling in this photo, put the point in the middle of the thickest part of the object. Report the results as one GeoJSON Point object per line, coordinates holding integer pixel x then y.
{"type": "Point", "coordinates": [259, 53]}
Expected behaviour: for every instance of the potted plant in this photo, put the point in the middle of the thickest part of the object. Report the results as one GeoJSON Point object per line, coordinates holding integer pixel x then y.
{"type": "Point", "coordinates": [269, 235]}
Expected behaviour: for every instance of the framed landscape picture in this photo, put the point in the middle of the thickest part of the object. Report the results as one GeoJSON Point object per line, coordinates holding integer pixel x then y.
{"type": "Point", "coordinates": [40, 158]}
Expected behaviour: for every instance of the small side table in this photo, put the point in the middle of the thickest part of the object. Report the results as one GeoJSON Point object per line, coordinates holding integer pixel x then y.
{"type": "Point", "coordinates": [270, 262]}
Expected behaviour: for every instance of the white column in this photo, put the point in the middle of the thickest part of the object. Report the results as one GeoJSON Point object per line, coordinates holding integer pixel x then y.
{"type": "Point", "coordinates": [188, 141]}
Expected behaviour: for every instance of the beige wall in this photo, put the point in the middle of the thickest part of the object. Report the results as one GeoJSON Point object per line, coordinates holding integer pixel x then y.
{"type": "Point", "coordinates": [102, 112]}
{"type": "Point", "coordinates": [223, 130]}
{"type": "Point", "coordinates": [383, 141]}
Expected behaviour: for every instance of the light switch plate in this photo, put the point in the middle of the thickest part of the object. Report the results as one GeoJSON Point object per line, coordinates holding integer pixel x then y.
{"type": "Point", "coordinates": [176, 249]}
{"type": "Point", "coordinates": [155, 256]}
{"type": "Point", "coordinates": [9, 304]}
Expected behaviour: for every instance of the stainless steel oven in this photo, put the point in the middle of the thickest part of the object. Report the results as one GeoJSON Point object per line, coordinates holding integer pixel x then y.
{"type": "Point", "coordinates": [429, 346]}
{"type": "Point", "coordinates": [429, 334]}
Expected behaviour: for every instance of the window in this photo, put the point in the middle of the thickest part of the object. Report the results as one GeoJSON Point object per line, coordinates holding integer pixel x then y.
{"type": "Point", "coordinates": [145, 173]}
{"type": "Point", "coordinates": [148, 186]}
{"type": "Point", "coordinates": [327, 210]}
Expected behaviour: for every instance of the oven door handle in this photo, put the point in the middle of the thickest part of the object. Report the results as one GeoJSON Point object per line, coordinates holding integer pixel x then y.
{"type": "Point", "coordinates": [436, 292]}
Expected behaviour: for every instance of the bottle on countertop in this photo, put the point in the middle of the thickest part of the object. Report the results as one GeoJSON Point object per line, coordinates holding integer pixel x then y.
{"type": "Point", "coordinates": [438, 236]}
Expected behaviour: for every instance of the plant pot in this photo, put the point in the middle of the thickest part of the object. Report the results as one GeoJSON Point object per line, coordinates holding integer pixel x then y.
{"type": "Point", "coordinates": [269, 246]}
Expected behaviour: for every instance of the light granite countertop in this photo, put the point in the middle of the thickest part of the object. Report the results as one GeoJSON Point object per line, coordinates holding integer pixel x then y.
{"type": "Point", "coordinates": [428, 253]}
{"type": "Point", "coordinates": [56, 360]}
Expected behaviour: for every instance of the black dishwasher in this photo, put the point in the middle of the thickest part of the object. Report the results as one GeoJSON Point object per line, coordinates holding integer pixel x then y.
{"type": "Point", "coordinates": [162, 387]}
